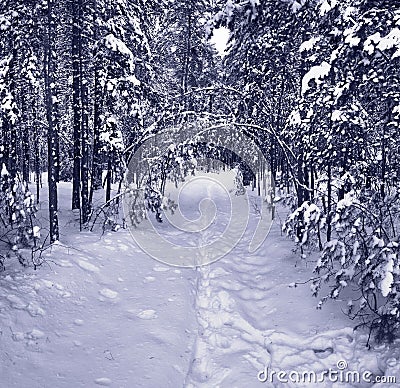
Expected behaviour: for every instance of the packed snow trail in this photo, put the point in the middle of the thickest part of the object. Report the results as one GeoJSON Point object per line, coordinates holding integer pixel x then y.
{"type": "Point", "coordinates": [250, 319]}
{"type": "Point", "coordinates": [252, 322]}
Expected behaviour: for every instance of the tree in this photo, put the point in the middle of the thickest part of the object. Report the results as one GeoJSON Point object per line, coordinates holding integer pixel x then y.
{"type": "Point", "coordinates": [349, 96]}
{"type": "Point", "coordinates": [185, 59]}
{"type": "Point", "coordinates": [52, 120]}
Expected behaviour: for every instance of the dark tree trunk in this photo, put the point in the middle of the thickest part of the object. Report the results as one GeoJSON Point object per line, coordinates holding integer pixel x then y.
{"type": "Point", "coordinates": [25, 148]}
{"type": "Point", "coordinates": [26, 156]}
{"type": "Point", "coordinates": [329, 205]}
{"type": "Point", "coordinates": [51, 102]}
{"type": "Point", "coordinates": [86, 206]}
{"type": "Point", "coordinates": [76, 100]}
{"type": "Point", "coordinates": [37, 166]}
{"type": "Point", "coordinates": [36, 146]}
{"type": "Point", "coordinates": [10, 127]}
{"type": "Point", "coordinates": [97, 159]}
{"type": "Point", "coordinates": [300, 180]}
{"type": "Point", "coordinates": [384, 152]}
{"type": "Point", "coordinates": [109, 178]}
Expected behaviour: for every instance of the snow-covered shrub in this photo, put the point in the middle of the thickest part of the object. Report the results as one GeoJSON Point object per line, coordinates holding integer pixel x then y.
{"type": "Point", "coordinates": [19, 230]}
{"type": "Point", "coordinates": [365, 254]}
{"type": "Point", "coordinates": [362, 256]}
{"type": "Point", "coordinates": [304, 225]}
{"type": "Point", "coordinates": [134, 198]}
{"type": "Point", "coordinates": [153, 201]}
{"type": "Point", "coordinates": [66, 168]}
{"type": "Point", "coordinates": [175, 165]}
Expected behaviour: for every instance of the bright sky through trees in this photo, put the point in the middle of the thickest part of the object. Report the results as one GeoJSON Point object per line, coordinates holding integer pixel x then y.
{"type": "Point", "coordinates": [220, 39]}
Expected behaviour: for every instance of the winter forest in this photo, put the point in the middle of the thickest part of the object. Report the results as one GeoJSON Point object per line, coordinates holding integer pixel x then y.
{"type": "Point", "coordinates": [199, 193]}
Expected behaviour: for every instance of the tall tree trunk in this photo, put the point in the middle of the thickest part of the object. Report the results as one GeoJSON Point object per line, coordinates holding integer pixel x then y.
{"type": "Point", "coordinates": [86, 206]}
{"type": "Point", "coordinates": [312, 181]}
{"type": "Point", "coordinates": [97, 170]}
{"type": "Point", "coordinates": [300, 179]}
{"type": "Point", "coordinates": [36, 146]}
{"type": "Point", "coordinates": [76, 100]}
{"type": "Point", "coordinates": [37, 166]}
{"type": "Point", "coordinates": [10, 126]}
{"type": "Point", "coordinates": [384, 151]}
{"type": "Point", "coordinates": [97, 159]}
{"type": "Point", "coordinates": [343, 166]}
{"type": "Point", "coordinates": [25, 141]}
{"type": "Point", "coordinates": [51, 102]}
{"type": "Point", "coordinates": [329, 204]}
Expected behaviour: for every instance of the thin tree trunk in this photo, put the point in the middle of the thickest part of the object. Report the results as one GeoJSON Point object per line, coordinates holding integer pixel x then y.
{"type": "Point", "coordinates": [384, 154]}
{"type": "Point", "coordinates": [85, 158]}
{"type": "Point", "coordinates": [312, 182]}
{"type": "Point", "coordinates": [109, 178]}
{"type": "Point", "coordinates": [96, 173]}
{"type": "Point", "coordinates": [186, 61]}
{"type": "Point", "coordinates": [26, 159]}
{"type": "Point", "coordinates": [9, 125]}
{"type": "Point", "coordinates": [36, 145]}
{"type": "Point", "coordinates": [76, 101]}
{"type": "Point", "coordinates": [329, 205]}
{"type": "Point", "coordinates": [329, 186]}
{"type": "Point", "coordinates": [97, 160]}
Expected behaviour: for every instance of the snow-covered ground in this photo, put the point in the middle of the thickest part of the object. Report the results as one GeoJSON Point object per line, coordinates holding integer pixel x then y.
{"type": "Point", "coordinates": [100, 312]}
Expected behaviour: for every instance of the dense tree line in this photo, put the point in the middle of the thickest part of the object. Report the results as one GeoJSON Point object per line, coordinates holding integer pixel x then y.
{"type": "Point", "coordinates": [318, 82]}
{"type": "Point", "coordinates": [313, 82]}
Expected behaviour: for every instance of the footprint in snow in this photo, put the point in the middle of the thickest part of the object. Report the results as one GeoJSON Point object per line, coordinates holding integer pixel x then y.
{"type": "Point", "coordinates": [218, 272]}
{"type": "Point", "coordinates": [64, 263]}
{"type": "Point", "coordinates": [16, 302]}
{"type": "Point", "coordinates": [147, 314]}
{"type": "Point", "coordinates": [35, 310]}
{"type": "Point", "coordinates": [47, 283]}
{"type": "Point", "coordinates": [35, 334]}
{"type": "Point", "coordinates": [87, 266]}
{"type": "Point", "coordinates": [66, 294]}
{"type": "Point", "coordinates": [18, 336]}
{"type": "Point", "coordinates": [323, 353]}
{"type": "Point", "coordinates": [107, 293]}
{"type": "Point", "coordinates": [160, 269]}
{"type": "Point", "coordinates": [104, 381]}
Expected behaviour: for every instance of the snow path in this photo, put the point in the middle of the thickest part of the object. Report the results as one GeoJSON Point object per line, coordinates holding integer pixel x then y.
{"type": "Point", "coordinates": [105, 314]}
{"type": "Point", "coordinates": [250, 318]}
